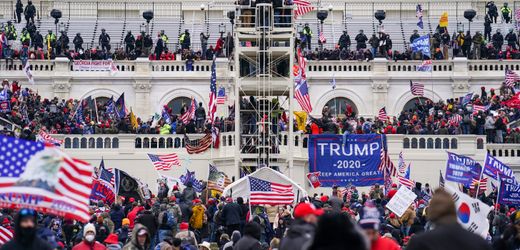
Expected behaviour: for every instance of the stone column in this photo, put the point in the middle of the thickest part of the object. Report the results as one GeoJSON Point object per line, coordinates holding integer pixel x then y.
{"type": "Point", "coordinates": [61, 79]}
{"type": "Point", "coordinates": [379, 85]}
{"type": "Point", "coordinates": [142, 107]}
{"type": "Point", "coordinates": [460, 77]}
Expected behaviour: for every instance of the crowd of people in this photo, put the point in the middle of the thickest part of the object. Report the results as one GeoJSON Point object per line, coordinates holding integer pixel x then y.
{"type": "Point", "coordinates": [32, 112]}
{"type": "Point", "coordinates": [185, 219]}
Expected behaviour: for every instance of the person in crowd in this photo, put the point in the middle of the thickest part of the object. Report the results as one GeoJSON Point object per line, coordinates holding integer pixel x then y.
{"type": "Point", "coordinates": [336, 231]}
{"type": "Point", "coordinates": [447, 232]}
{"type": "Point", "coordinates": [307, 32]}
{"type": "Point", "coordinates": [89, 239]}
{"type": "Point", "coordinates": [301, 230]}
{"type": "Point", "coordinates": [147, 219]}
{"type": "Point", "coordinates": [344, 41]}
{"type": "Point", "coordinates": [164, 38]}
{"type": "Point", "coordinates": [497, 40]}
{"type": "Point", "coordinates": [78, 42]}
{"type": "Point", "coordinates": [229, 45]}
{"type": "Point", "coordinates": [506, 13]}
{"type": "Point", "coordinates": [231, 216]}
{"type": "Point", "coordinates": [251, 238]}
{"type": "Point", "coordinates": [25, 233]}
{"type": "Point", "coordinates": [487, 28]}
{"type": "Point", "coordinates": [185, 40]}
{"type": "Point", "coordinates": [19, 11]}
{"type": "Point", "coordinates": [112, 242]}
{"type": "Point", "coordinates": [478, 41]}
{"type": "Point", "coordinates": [129, 42]}
{"type": "Point", "coordinates": [374, 43]}
{"type": "Point", "coordinates": [204, 44]}
{"type": "Point", "coordinates": [187, 237]}
{"type": "Point", "coordinates": [29, 12]}
{"type": "Point", "coordinates": [141, 239]}
{"type": "Point", "coordinates": [511, 39]}
{"type": "Point", "coordinates": [466, 44]}
{"type": "Point", "coordinates": [361, 40]}
{"type": "Point", "coordinates": [25, 37]}
{"type": "Point", "coordinates": [370, 223]}
{"type": "Point", "coordinates": [104, 41]}
{"type": "Point", "coordinates": [492, 11]}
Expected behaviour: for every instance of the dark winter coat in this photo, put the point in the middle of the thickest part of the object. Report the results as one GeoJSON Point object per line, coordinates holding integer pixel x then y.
{"type": "Point", "coordinates": [231, 214]}
{"type": "Point", "coordinates": [148, 220]}
{"type": "Point", "coordinates": [298, 236]}
{"type": "Point", "coordinates": [447, 237]}
{"type": "Point", "coordinates": [247, 243]}
{"type": "Point", "coordinates": [117, 215]}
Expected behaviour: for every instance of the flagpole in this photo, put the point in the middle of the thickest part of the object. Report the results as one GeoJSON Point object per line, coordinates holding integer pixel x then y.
{"type": "Point", "coordinates": [498, 190]}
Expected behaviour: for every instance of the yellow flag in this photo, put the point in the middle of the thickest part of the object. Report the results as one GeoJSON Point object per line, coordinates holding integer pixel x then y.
{"type": "Point", "coordinates": [443, 22]}
{"type": "Point", "coordinates": [133, 120]}
{"type": "Point", "coordinates": [301, 119]}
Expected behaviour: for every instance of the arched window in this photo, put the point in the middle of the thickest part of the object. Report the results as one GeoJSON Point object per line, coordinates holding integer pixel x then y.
{"type": "Point", "coordinates": [338, 105]}
{"type": "Point", "coordinates": [412, 104]}
{"type": "Point", "coordinates": [177, 103]}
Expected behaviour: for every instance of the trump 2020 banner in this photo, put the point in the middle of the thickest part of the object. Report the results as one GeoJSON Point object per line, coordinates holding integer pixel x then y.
{"type": "Point", "coordinates": [101, 192]}
{"type": "Point", "coordinates": [462, 169]}
{"type": "Point", "coordinates": [509, 193]}
{"type": "Point", "coordinates": [495, 169]}
{"type": "Point", "coordinates": [350, 159]}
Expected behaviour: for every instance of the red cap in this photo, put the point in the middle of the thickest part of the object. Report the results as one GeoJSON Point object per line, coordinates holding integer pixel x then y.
{"type": "Point", "coordinates": [173, 198]}
{"type": "Point", "coordinates": [131, 199]}
{"type": "Point", "coordinates": [392, 216]}
{"type": "Point", "coordinates": [304, 209]}
{"type": "Point", "coordinates": [324, 198]}
{"type": "Point", "coordinates": [394, 185]}
{"type": "Point", "coordinates": [6, 221]}
{"type": "Point", "coordinates": [112, 239]}
{"type": "Point", "coordinates": [184, 226]}
{"type": "Point", "coordinates": [196, 200]}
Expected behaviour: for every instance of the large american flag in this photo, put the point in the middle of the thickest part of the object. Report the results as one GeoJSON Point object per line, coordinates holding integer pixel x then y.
{"type": "Point", "coordinates": [269, 193]}
{"type": "Point", "coordinates": [302, 7]}
{"type": "Point", "coordinates": [302, 63]}
{"type": "Point", "coordinates": [213, 93]}
{"type": "Point", "coordinates": [46, 138]}
{"type": "Point", "coordinates": [221, 95]}
{"type": "Point", "coordinates": [382, 114]}
{"type": "Point", "coordinates": [107, 176]}
{"type": "Point", "coordinates": [511, 78]}
{"type": "Point", "coordinates": [301, 93]}
{"type": "Point", "coordinates": [5, 235]}
{"type": "Point", "coordinates": [164, 162]}
{"type": "Point", "coordinates": [386, 165]}
{"type": "Point", "coordinates": [59, 184]}
{"type": "Point", "coordinates": [198, 145]}
{"type": "Point", "coordinates": [416, 88]}
{"type": "Point", "coordinates": [190, 113]}
{"type": "Point", "coordinates": [477, 108]}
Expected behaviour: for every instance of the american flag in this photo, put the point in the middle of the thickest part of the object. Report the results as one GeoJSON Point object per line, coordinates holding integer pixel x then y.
{"type": "Point", "coordinates": [301, 93]}
{"type": "Point", "coordinates": [406, 182]}
{"type": "Point", "coordinates": [164, 162]}
{"type": "Point", "coordinates": [386, 164]}
{"type": "Point", "coordinates": [511, 78]}
{"type": "Point", "coordinates": [221, 95]}
{"type": "Point", "coordinates": [190, 113]}
{"type": "Point", "coordinates": [269, 193]}
{"type": "Point", "coordinates": [215, 136]}
{"type": "Point", "coordinates": [217, 180]}
{"type": "Point", "coordinates": [78, 114]}
{"type": "Point", "coordinates": [107, 176]}
{"type": "Point", "coordinates": [111, 107]}
{"type": "Point", "coordinates": [302, 7]}
{"type": "Point", "coordinates": [400, 164]}
{"type": "Point", "coordinates": [213, 93]}
{"type": "Point", "coordinates": [382, 114]}
{"type": "Point", "coordinates": [47, 174]}
{"type": "Point", "coordinates": [5, 235]}
{"type": "Point", "coordinates": [456, 118]}
{"type": "Point", "coordinates": [302, 63]}
{"type": "Point", "coordinates": [477, 108]}
{"type": "Point", "coordinates": [198, 145]}
{"type": "Point", "coordinates": [481, 185]}
{"type": "Point", "coordinates": [322, 37]}
{"type": "Point", "coordinates": [46, 138]}
{"type": "Point", "coordinates": [416, 88]}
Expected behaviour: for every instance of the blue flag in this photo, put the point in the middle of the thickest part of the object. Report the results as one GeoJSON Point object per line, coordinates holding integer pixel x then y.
{"type": "Point", "coordinates": [467, 98]}
{"type": "Point", "coordinates": [189, 178]}
{"type": "Point", "coordinates": [422, 44]}
{"type": "Point", "coordinates": [120, 106]}
{"type": "Point", "coordinates": [166, 116]}
{"type": "Point", "coordinates": [509, 193]}
{"type": "Point", "coordinates": [419, 15]}
{"type": "Point", "coordinates": [462, 169]}
{"type": "Point", "coordinates": [496, 169]}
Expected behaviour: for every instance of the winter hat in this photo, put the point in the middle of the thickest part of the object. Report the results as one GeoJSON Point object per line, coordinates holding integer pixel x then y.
{"type": "Point", "coordinates": [369, 217]}
{"type": "Point", "coordinates": [112, 239]}
{"type": "Point", "coordinates": [304, 209]}
{"type": "Point", "coordinates": [184, 226]}
{"type": "Point", "coordinates": [206, 245]}
{"type": "Point", "coordinates": [89, 228]}
{"type": "Point", "coordinates": [125, 221]}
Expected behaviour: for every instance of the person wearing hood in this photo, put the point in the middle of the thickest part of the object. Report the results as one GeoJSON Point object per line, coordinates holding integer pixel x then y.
{"type": "Point", "coordinates": [336, 231]}
{"type": "Point", "coordinates": [147, 219]}
{"type": "Point", "coordinates": [89, 239]}
{"type": "Point", "coordinates": [25, 233]}
{"type": "Point", "coordinates": [235, 237]}
{"type": "Point", "coordinates": [123, 232]}
{"type": "Point", "coordinates": [251, 239]}
{"type": "Point", "coordinates": [140, 239]}
{"type": "Point", "coordinates": [301, 231]}
{"type": "Point", "coordinates": [447, 233]}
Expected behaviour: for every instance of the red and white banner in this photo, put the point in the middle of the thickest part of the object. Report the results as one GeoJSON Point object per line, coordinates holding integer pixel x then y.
{"type": "Point", "coordinates": [94, 65]}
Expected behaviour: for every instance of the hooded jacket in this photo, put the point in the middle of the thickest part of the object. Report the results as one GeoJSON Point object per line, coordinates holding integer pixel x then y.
{"type": "Point", "coordinates": [24, 240]}
{"type": "Point", "coordinates": [297, 236]}
{"type": "Point", "coordinates": [133, 245]}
